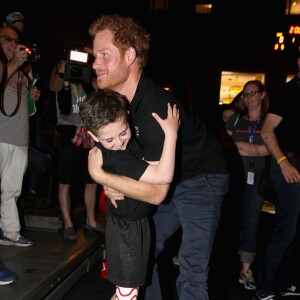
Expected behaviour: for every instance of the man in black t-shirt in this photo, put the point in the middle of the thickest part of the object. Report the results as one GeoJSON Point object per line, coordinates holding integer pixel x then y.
{"type": "Point", "coordinates": [195, 198]}
{"type": "Point", "coordinates": [279, 133]}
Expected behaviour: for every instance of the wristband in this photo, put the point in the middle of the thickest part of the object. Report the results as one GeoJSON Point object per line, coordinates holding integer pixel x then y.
{"type": "Point", "coordinates": [281, 159]}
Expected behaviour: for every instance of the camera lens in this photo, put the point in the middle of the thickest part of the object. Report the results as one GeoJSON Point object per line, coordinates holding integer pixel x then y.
{"type": "Point", "coordinates": [76, 72]}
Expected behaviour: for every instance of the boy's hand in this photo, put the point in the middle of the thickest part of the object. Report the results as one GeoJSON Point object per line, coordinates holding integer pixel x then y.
{"type": "Point", "coordinates": [172, 122]}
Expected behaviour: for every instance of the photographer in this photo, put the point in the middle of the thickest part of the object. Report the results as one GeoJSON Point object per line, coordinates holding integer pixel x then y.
{"type": "Point", "coordinates": [16, 20]}
{"type": "Point", "coordinates": [14, 134]}
{"type": "Point", "coordinates": [32, 69]}
{"type": "Point", "coordinates": [71, 81]}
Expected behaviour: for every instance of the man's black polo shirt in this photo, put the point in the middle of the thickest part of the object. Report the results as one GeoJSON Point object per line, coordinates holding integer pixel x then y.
{"type": "Point", "coordinates": [198, 150]}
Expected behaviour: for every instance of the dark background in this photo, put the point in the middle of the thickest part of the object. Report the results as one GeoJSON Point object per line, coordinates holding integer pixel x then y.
{"type": "Point", "coordinates": [55, 24]}
{"type": "Point", "coordinates": [184, 46]}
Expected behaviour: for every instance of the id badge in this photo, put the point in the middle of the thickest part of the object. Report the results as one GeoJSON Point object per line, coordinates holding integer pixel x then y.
{"type": "Point", "coordinates": [250, 178]}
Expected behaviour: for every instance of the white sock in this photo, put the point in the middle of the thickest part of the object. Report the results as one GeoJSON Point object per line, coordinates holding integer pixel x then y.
{"type": "Point", "coordinates": [123, 293]}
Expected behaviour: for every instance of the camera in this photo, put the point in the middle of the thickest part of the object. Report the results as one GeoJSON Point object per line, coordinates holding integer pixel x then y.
{"type": "Point", "coordinates": [32, 54]}
{"type": "Point", "coordinates": [77, 68]}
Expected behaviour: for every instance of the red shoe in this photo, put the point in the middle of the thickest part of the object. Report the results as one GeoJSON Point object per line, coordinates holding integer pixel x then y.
{"type": "Point", "coordinates": [103, 272]}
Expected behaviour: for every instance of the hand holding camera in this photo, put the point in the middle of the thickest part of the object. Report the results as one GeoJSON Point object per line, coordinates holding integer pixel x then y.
{"type": "Point", "coordinates": [20, 55]}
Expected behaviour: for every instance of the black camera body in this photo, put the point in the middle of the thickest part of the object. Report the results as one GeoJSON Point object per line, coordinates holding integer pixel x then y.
{"type": "Point", "coordinates": [77, 68]}
{"type": "Point", "coordinates": [32, 53]}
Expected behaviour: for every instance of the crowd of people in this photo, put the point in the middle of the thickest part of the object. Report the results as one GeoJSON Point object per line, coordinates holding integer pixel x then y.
{"type": "Point", "coordinates": [160, 165]}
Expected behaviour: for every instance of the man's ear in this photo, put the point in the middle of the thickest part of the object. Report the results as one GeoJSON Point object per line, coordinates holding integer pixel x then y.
{"type": "Point", "coordinates": [93, 137]}
{"type": "Point", "coordinates": [130, 55]}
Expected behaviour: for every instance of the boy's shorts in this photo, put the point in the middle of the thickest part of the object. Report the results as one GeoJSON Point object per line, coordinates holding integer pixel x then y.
{"type": "Point", "coordinates": [127, 246]}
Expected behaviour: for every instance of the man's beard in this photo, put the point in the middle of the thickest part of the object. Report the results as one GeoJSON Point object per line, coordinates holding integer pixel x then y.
{"type": "Point", "coordinates": [114, 79]}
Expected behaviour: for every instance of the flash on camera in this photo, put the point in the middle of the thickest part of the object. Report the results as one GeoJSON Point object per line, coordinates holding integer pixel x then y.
{"type": "Point", "coordinates": [78, 56]}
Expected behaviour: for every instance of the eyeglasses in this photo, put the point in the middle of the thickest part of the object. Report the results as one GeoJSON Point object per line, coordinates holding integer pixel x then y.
{"type": "Point", "coordinates": [10, 39]}
{"type": "Point", "coordinates": [251, 94]}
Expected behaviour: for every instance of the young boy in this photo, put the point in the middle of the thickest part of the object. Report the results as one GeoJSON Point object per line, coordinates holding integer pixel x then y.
{"type": "Point", "coordinates": [105, 113]}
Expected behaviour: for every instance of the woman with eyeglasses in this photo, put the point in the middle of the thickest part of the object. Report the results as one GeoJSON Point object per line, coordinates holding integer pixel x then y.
{"type": "Point", "coordinates": [244, 127]}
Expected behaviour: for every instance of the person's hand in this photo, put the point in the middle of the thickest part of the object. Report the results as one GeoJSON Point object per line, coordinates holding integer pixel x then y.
{"type": "Point", "coordinates": [61, 66]}
{"type": "Point", "coordinates": [113, 195]}
{"type": "Point", "coordinates": [290, 172]}
{"type": "Point", "coordinates": [35, 93]}
{"type": "Point", "coordinates": [172, 122]}
{"type": "Point", "coordinates": [247, 149]}
{"type": "Point", "coordinates": [95, 162]}
{"type": "Point", "coordinates": [20, 55]}
{"type": "Point", "coordinates": [88, 50]}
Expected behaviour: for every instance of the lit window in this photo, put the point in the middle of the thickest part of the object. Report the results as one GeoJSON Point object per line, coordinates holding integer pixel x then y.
{"type": "Point", "coordinates": [203, 8]}
{"type": "Point", "coordinates": [159, 5]}
{"type": "Point", "coordinates": [292, 7]}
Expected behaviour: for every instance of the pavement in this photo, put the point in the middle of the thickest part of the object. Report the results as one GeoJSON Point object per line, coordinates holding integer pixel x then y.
{"type": "Point", "coordinates": [55, 269]}
{"type": "Point", "coordinates": [224, 269]}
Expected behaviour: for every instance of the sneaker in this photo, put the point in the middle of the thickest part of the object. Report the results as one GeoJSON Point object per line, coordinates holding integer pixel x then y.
{"type": "Point", "coordinates": [291, 291]}
{"type": "Point", "coordinates": [69, 234]}
{"type": "Point", "coordinates": [6, 277]}
{"type": "Point", "coordinates": [98, 228]}
{"type": "Point", "coordinates": [175, 260]}
{"type": "Point", "coordinates": [21, 241]}
{"type": "Point", "coordinates": [247, 280]}
{"type": "Point", "coordinates": [32, 192]}
{"type": "Point", "coordinates": [265, 297]}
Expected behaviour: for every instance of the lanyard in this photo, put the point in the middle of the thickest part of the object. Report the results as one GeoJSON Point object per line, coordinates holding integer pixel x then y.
{"type": "Point", "coordinates": [251, 133]}
{"type": "Point", "coordinates": [19, 91]}
{"type": "Point", "coordinates": [251, 130]}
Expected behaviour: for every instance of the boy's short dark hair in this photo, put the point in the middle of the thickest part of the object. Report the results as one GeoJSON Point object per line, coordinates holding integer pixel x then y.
{"type": "Point", "coordinates": [101, 108]}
